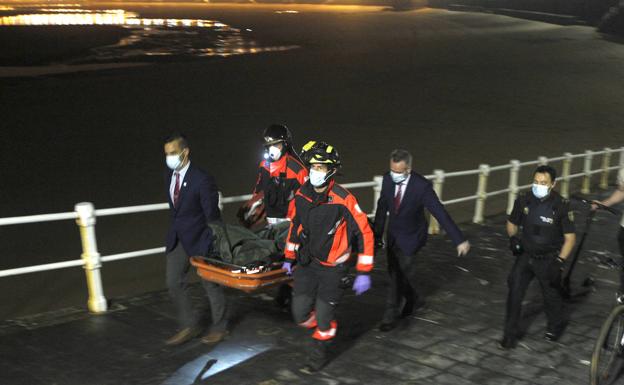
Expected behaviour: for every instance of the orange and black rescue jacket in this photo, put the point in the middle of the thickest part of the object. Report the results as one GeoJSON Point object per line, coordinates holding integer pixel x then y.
{"type": "Point", "coordinates": [279, 181]}
{"type": "Point", "coordinates": [331, 221]}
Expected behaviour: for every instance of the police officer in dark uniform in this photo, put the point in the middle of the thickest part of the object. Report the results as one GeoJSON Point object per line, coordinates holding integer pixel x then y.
{"type": "Point", "coordinates": [546, 241]}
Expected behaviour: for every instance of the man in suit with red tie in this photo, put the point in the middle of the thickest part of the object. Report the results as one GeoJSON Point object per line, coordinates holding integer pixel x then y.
{"type": "Point", "coordinates": [194, 202]}
{"type": "Point", "coordinates": [404, 195]}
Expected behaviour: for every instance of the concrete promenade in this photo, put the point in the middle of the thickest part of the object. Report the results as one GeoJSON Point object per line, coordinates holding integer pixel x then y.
{"type": "Point", "coordinates": [452, 340]}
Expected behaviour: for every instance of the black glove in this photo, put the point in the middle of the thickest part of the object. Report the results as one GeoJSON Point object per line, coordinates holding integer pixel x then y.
{"type": "Point", "coordinates": [555, 271]}
{"type": "Point", "coordinates": [515, 245]}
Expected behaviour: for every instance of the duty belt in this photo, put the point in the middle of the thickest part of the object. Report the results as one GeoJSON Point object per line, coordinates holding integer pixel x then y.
{"type": "Point", "coordinates": [544, 255]}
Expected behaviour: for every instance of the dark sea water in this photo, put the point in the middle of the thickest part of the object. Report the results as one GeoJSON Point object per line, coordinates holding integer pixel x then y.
{"type": "Point", "coordinates": [456, 89]}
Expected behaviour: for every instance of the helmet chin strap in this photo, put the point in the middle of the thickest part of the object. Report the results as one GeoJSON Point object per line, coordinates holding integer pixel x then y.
{"type": "Point", "coordinates": [328, 176]}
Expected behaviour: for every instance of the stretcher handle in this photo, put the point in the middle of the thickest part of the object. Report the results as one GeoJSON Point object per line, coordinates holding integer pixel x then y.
{"type": "Point", "coordinates": [231, 266]}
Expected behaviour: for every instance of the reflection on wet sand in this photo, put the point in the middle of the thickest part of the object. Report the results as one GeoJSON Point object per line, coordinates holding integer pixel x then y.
{"type": "Point", "coordinates": [148, 37]}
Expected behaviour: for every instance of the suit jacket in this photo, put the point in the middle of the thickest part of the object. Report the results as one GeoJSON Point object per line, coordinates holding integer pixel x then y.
{"type": "Point", "coordinates": [198, 204]}
{"type": "Point", "coordinates": [407, 228]}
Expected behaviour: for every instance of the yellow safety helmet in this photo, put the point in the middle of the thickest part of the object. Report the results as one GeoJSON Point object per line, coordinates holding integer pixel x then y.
{"type": "Point", "coordinates": [320, 152]}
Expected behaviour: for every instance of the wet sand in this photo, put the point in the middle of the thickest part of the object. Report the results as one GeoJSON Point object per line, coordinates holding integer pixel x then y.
{"type": "Point", "coordinates": [55, 69]}
{"type": "Point", "coordinates": [457, 89]}
{"type": "Point", "coordinates": [43, 45]}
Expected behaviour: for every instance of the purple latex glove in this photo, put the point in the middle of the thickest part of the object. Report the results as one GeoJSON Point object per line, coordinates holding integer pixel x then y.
{"type": "Point", "coordinates": [362, 283]}
{"type": "Point", "coordinates": [288, 267]}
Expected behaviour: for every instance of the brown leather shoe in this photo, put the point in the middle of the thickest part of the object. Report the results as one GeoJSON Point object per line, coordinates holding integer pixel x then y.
{"type": "Point", "coordinates": [214, 336]}
{"type": "Point", "coordinates": [183, 336]}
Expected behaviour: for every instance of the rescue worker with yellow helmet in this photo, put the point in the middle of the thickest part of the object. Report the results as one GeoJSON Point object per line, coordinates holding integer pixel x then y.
{"type": "Point", "coordinates": [327, 227]}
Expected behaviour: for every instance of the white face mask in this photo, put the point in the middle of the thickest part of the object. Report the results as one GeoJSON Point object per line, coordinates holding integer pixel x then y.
{"type": "Point", "coordinates": [540, 191]}
{"type": "Point", "coordinates": [273, 154]}
{"type": "Point", "coordinates": [398, 177]}
{"type": "Point", "coordinates": [317, 178]}
{"type": "Point", "coordinates": [174, 161]}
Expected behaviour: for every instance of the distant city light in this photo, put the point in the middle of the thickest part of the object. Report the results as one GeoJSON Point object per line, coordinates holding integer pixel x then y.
{"type": "Point", "coordinates": [50, 16]}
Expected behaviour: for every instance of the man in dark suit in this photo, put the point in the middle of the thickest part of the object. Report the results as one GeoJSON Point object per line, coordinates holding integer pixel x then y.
{"type": "Point", "coordinates": [405, 194]}
{"type": "Point", "coordinates": [194, 202]}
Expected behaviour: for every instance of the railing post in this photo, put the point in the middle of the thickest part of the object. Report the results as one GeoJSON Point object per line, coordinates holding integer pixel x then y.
{"type": "Point", "coordinates": [438, 183]}
{"type": "Point", "coordinates": [621, 158]}
{"type": "Point", "coordinates": [91, 257]}
{"type": "Point", "coordinates": [378, 179]}
{"type": "Point", "coordinates": [565, 175]}
{"type": "Point", "coordinates": [606, 162]}
{"type": "Point", "coordinates": [220, 201]}
{"type": "Point", "coordinates": [513, 184]}
{"type": "Point", "coordinates": [587, 171]}
{"type": "Point", "coordinates": [484, 172]}
{"type": "Point", "coordinates": [542, 161]}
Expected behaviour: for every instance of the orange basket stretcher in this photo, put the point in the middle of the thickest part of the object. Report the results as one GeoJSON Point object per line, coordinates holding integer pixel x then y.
{"type": "Point", "coordinates": [234, 276]}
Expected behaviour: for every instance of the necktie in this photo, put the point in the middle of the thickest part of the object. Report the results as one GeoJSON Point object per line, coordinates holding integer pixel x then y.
{"type": "Point", "coordinates": [176, 190]}
{"type": "Point", "coordinates": [397, 199]}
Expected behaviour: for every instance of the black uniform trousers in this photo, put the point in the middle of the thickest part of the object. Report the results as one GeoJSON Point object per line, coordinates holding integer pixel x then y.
{"type": "Point", "coordinates": [402, 293]}
{"type": "Point", "coordinates": [317, 288]}
{"type": "Point", "coordinates": [178, 266]}
{"type": "Point", "coordinates": [521, 275]}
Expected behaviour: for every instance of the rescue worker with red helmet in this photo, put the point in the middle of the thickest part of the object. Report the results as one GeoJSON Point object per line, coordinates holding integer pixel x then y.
{"type": "Point", "coordinates": [327, 226]}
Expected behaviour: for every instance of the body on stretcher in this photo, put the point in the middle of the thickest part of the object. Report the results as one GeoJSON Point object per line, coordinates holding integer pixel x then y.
{"type": "Point", "coordinates": [248, 278]}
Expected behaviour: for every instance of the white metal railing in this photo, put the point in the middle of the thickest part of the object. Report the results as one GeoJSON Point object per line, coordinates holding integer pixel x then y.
{"type": "Point", "coordinates": [85, 214]}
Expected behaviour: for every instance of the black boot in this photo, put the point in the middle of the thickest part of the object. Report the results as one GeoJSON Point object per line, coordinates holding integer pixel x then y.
{"type": "Point", "coordinates": [411, 306]}
{"type": "Point", "coordinates": [284, 296]}
{"type": "Point", "coordinates": [554, 333]}
{"type": "Point", "coordinates": [318, 356]}
{"type": "Point", "coordinates": [508, 342]}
